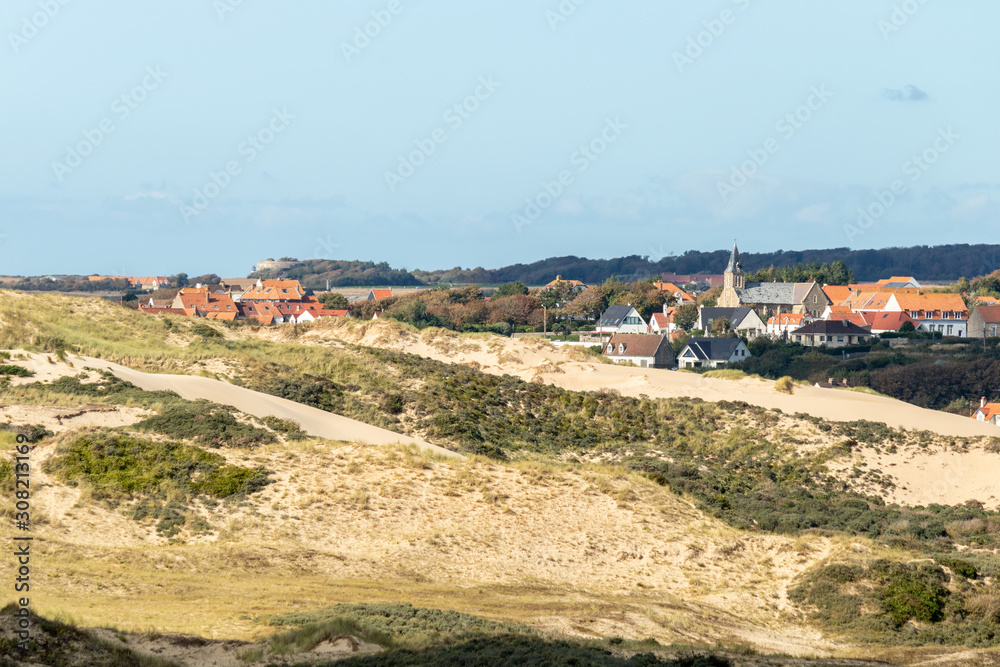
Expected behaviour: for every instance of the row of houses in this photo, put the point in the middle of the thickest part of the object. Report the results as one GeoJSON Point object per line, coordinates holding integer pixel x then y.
{"type": "Point", "coordinates": [266, 302]}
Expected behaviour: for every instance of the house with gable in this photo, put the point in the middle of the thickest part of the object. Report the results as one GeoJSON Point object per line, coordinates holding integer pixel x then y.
{"type": "Point", "coordinates": [830, 333]}
{"type": "Point", "coordinates": [560, 282]}
{"type": "Point", "coordinates": [987, 412]}
{"type": "Point", "coordinates": [644, 350]}
{"type": "Point", "coordinates": [201, 302]}
{"type": "Point", "coordinates": [744, 321]}
{"type": "Point", "coordinates": [779, 326]}
{"type": "Point", "coordinates": [275, 290]}
{"type": "Point", "coordinates": [984, 322]}
{"type": "Point", "coordinates": [681, 298]}
{"type": "Point", "coordinates": [942, 312]}
{"type": "Point", "coordinates": [621, 319]}
{"type": "Point", "coordinates": [379, 294]}
{"type": "Point", "coordinates": [712, 352]}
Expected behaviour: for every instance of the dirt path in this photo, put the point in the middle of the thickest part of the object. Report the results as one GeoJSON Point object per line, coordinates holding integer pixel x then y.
{"type": "Point", "coordinates": [313, 421]}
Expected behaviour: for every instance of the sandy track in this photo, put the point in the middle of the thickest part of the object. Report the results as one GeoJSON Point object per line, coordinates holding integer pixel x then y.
{"type": "Point", "coordinates": [533, 360]}
{"type": "Point", "coordinates": [832, 404]}
{"type": "Point", "coordinates": [313, 421]}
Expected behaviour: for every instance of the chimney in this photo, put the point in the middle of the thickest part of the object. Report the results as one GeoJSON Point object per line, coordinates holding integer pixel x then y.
{"type": "Point", "coordinates": [982, 402]}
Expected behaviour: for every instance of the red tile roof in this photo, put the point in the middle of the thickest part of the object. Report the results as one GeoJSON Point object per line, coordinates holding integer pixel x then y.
{"type": "Point", "coordinates": [275, 290]}
{"type": "Point", "coordinates": [887, 321]}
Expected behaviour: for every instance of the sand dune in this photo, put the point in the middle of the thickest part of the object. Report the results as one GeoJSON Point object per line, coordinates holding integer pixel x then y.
{"type": "Point", "coordinates": [313, 421]}
{"type": "Point", "coordinates": [533, 359]}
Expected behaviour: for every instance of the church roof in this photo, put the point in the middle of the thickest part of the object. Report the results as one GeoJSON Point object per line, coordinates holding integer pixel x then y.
{"type": "Point", "coordinates": [774, 293]}
{"type": "Point", "coordinates": [734, 260]}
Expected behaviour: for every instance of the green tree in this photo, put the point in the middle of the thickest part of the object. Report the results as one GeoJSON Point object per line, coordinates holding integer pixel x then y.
{"type": "Point", "coordinates": [686, 317]}
{"type": "Point", "coordinates": [334, 301]}
{"type": "Point", "coordinates": [510, 289]}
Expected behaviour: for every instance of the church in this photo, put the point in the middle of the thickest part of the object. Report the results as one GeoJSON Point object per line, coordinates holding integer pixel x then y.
{"type": "Point", "coordinates": [769, 299]}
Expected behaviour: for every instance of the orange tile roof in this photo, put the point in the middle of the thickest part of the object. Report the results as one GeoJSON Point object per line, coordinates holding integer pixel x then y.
{"type": "Point", "coordinates": [380, 294]}
{"type": "Point", "coordinates": [837, 293]}
{"type": "Point", "coordinates": [989, 411]}
{"type": "Point", "coordinates": [275, 290]}
{"type": "Point", "coordinates": [860, 299]}
{"type": "Point", "coordinates": [849, 316]}
{"type": "Point", "coordinates": [559, 279]}
{"type": "Point", "coordinates": [674, 290]}
{"type": "Point", "coordinates": [662, 320]}
{"type": "Point", "coordinates": [887, 321]}
{"type": "Point", "coordinates": [931, 302]}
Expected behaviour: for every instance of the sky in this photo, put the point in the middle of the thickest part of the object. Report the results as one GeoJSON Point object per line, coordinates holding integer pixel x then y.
{"type": "Point", "coordinates": [202, 136]}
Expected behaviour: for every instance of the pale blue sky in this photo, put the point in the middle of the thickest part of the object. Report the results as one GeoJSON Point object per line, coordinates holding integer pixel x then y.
{"type": "Point", "coordinates": [673, 130]}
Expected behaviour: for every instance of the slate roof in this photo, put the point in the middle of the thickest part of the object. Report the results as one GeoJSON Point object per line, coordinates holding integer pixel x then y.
{"type": "Point", "coordinates": [832, 327]}
{"type": "Point", "coordinates": [734, 315]}
{"type": "Point", "coordinates": [774, 293]}
{"type": "Point", "coordinates": [614, 316]}
{"type": "Point", "coordinates": [636, 345]}
{"type": "Point", "coordinates": [714, 349]}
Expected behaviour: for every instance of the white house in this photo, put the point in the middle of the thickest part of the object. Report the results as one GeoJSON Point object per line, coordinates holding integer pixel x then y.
{"type": "Point", "coordinates": [712, 352]}
{"type": "Point", "coordinates": [987, 412]}
{"type": "Point", "coordinates": [942, 312]}
{"type": "Point", "coordinates": [621, 319]}
{"type": "Point", "coordinates": [645, 350]}
{"type": "Point", "coordinates": [780, 325]}
{"type": "Point", "coordinates": [744, 321]}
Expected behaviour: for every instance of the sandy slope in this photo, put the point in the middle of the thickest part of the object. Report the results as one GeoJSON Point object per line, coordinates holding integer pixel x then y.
{"type": "Point", "coordinates": [532, 359]}
{"type": "Point", "coordinates": [313, 421]}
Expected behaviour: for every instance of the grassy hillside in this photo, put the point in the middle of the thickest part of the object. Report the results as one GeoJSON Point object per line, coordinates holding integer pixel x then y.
{"type": "Point", "coordinates": [565, 491]}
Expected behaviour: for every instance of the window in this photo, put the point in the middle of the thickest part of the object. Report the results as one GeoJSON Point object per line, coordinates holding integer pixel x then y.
{"type": "Point", "coordinates": [945, 315]}
{"type": "Point", "coordinates": [840, 339]}
{"type": "Point", "coordinates": [950, 328]}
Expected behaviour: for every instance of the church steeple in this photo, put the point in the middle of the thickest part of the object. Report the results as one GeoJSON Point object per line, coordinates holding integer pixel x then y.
{"type": "Point", "coordinates": [734, 260]}
{"type": "Point", "coordinates": [733, 280]}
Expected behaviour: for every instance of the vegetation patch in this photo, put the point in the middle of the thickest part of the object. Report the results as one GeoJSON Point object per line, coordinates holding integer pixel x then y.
{"type": "Point", "coordinates": [206, 423]}
{"type": "Point", "coordinates": [158, 477]}
{"type": "Point", "coordinates": [19, 371]}
{"type": "Point", "coordinates": [527, 651]}
{"type": "Point", "coordinates": [895, 603]}
{"type": "Point", "coordinates": [386, 624]}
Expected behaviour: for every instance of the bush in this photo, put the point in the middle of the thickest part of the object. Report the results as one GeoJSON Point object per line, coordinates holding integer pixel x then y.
{"type": "Point", "coordinates": [206, 423]}
{"type": "Point", "coordinates": [290, 429]}
{"type": "Point", "coordinates": [785, 384]}
{"type": "Point", "coordinates": [117, 467]}
{"type": "Point", "coordinates": [19, 371]}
